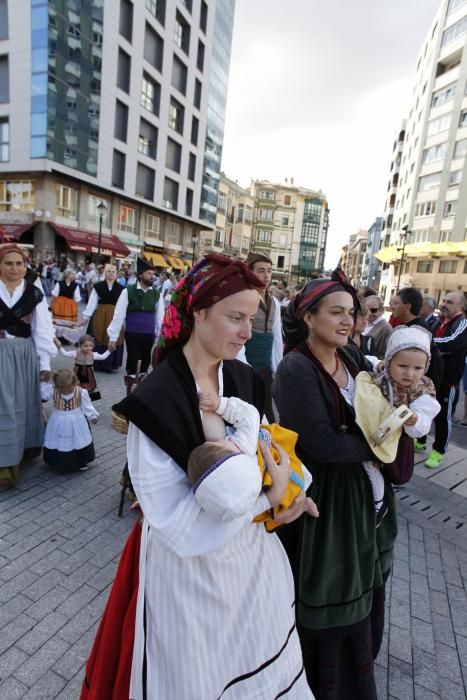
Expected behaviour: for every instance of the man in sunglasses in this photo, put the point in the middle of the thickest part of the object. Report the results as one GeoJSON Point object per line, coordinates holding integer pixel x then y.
{"type": "Point", "coordinates": [378, 328]}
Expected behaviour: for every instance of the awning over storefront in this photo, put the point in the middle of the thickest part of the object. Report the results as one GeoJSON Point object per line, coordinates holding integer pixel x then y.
{"type": "Point", "coordinates": [175, 262]}
{"type": "Point", "coordinates": [13, 232]}
{"type": "Point", "coordinates": [422, 250]}
{"type": "Point", "coordinates": [156, 259]}
{"type": "Point", "coordinates": [88, 242]}
{"type": "Point", "coordinates": [188, 263]}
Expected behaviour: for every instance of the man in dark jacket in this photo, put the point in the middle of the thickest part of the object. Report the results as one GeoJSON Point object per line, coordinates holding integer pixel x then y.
{"type": "Point", "coordinates": [451, 339]}
{"type": "Point", "coordinates": [428, 314]}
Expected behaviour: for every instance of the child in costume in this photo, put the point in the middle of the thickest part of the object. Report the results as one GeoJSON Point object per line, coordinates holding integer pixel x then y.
{"type": "Point", "coordinates": [228, 473]}
{"type": "Point", "coordinates": [400, 382]}
{"type": "Point", "coordinates": [68, 444]}
{"type": "Point", "coordinates": [84, 364]}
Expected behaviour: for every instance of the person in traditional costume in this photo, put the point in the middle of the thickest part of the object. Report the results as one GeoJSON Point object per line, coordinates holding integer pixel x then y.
{"type": "Point", "coordinates": [84, 358]}
{"type": "Point", "coordinates": [139, 309]}
{"type": "Point", "coordinates": [214, 601]}
{"type": "Point", "coordinates": [264, 350]}
{"type": "Point", "coordinates": [99, 312]}
{"type": "Point", "coordinates": [66, 298]}
{"type": "Point", "coordinates": [341, 560]}
{"type": "Point", "coordinates": [68, 444]}
{"type": "Point", "coordinates": [26, 347]}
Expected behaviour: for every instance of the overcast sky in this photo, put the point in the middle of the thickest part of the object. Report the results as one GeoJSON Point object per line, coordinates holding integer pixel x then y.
{"type": "Point", "coordinates": [317, 92]}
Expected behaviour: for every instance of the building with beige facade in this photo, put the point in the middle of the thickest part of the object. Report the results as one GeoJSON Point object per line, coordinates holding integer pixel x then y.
{"type": "Point", "coordinates": [424, 241]}
{"type": "Point", "coordinates": [234, 219]}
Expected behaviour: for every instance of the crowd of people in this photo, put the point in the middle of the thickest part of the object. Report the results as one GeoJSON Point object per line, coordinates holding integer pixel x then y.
{"type": "Point", "coordinates": [259, 566]}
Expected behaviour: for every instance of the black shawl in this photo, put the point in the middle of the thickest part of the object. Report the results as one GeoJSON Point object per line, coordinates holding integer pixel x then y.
{"type": "Point", "coordinates": [165, 406]}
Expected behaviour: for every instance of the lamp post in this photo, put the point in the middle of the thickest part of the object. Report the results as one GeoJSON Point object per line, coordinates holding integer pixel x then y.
{"type": "Point", "coordinates": [193, 243]}
{"type": "Point", "coordinates": [101, 208]}
{"type": "Point", "coordinates": [405, 233]}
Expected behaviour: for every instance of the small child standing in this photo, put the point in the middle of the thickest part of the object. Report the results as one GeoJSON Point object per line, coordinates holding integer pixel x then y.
{"type": "Point", "coordinates": [401, 382]}
{"type": "Point", "coordinates": [228, 475]}
{"type": "Point", "coordinates": [84, 364]}
{"type": "Point", "coordinates": [68, 444]}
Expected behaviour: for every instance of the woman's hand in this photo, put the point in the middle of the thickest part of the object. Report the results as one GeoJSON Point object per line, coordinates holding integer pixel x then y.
{"type": "Point", "coordinates": [412, 420]}
{"type": "Point", "coordinates": [208, 401]}
{"type": "Point", "coordinates": [111, 347]}
{"type": "Point", "coordinates": [44, 376]}
{"type": "Point", "coordinates": [302, 504]}
{"type": "Point", "coordinates": [279, 473]}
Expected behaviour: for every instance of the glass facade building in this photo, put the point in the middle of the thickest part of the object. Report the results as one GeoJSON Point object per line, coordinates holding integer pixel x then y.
{"type": "Point", "coordinates": [66, 44]}
{"type": "Point", "coordinates": [312, 244]}
{"type": "Point", "coordinates": [217, 99]}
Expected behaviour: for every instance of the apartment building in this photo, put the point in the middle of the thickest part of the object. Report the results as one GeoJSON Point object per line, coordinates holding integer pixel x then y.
{"type": "Point", "coordinates": [290, 224]}
{"type": "Point", "coordinates": [370, 275]}
{"type": "Point", "coordinates": [424, 239]}
{"type": "Point", "coordinates": [234, 220]}
{"type": "Point", "coordinates": [111, 125]}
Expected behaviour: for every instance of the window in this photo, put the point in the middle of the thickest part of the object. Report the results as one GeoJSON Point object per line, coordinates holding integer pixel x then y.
{"type": "Point", "coordinates": [94, 213]}
{"type": "Point", "coordinates": [280, 261]}
{"type": "Point", "coordinates": [266, 214]}
{"type": "Point", "coordinates": [218, 238]}
{"type": "Point", "coordinates": [455, 31]}
{"type": "Point", "coordinates": [176, 115]}
{"type": "Point", "coordinates": [145, 181]}
{"type": "Point", "coordinates": [191, 166]}
{"type": "Point", "coordinates": [221, 203]}
{"type": "Point", "coordinates": [4, 139]}
{"type": "Point", "coordinates": [437, 125]}
{"type": "Point", "coordinates": [263, 236]}
{"type": "Point", "coordinates": [174, 233]}
{"type": "Point", "coordinates": [454, 4]}
{"type": "Point", "coordinates": [147, 140]}
{"type": "Point", "coordinates": [126, 19]}
{"type": "Point", "coordinates": [424, 266]}
{"type": "Point", "coordinates": [4, 80]}
{"type": "Point", "coordinates": [16, 195]}
{"type": "Point", "coordinates": [194, 130]}
{"type": "Point", "coordinates": [434, 153]}
{"type": "Point", "coordinates": [182, 33]}
{"type": "Point", "coordinates": [248, 214]}
{"type": "Point", "coordinates": [444, 236]}
{"type": "Point", "coordinates": [287, 200]}
{"type": "Point", "coordinates": [455, 178]}
{"type": "Point", "coordinates": [197, 95]}
{"type": "Point", "coordinates": [200, 56]}
{"type": "Point", "coordinates": [443, 95]}
{"type": "Point", "coordinates": [429, 182]}
{"type": "Point", "coordinates": [157, 9]}
{"type": "Point", "coordinates": [463, 118]}
{"type": "Point", "coordinates": [179, 75]}
{"type": "Point", "coordinates": [173, 156]}
{"type": "Point", "coordinates": [265, 194]}
{"type": "Point", "coordinates": [66, 201]}
{"type": "Point", "coordinates": [203, 17]}
{"type": "Point", "coordinates": [425, 209]}
{"type": "Point", "coordinates": [118, 170]}
{"type": "Point", "coordinates": [449, 266]}
{"type": "Point", "coordinates": [285, 221]}
{"type": "Point", "coordinates": [170, 193]}
{"type": "Point", "coordinates": [4, 19]}
{"type": "Point", "coordinates": [152, 226]}
{"type": "Point", "coordinates": [189, 202]}
{"type": "Point", "coordinates": [239, 218]}
{"type": "Point", "coordinates": [123, 71]}
{"type": "Point", "coordinates": [126, 219]}
{"type": "Point", "coordinates": [121, 121]}
{"type": "Point", "coordinates": [150, 94]}
{"type": "Point", "coordinates": [153, 47]}
{"type": "Point", "coordinates": [460, 150]}
{"type": "Point", "coordinates": [449, 209]}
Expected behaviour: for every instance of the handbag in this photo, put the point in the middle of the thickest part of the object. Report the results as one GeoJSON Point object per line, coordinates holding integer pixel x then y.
{"type": "Point", "coordinates": [401, 470]}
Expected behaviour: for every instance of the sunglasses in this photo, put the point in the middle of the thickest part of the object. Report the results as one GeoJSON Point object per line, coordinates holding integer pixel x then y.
{"type": "Point", "coordinates": [374, 311]}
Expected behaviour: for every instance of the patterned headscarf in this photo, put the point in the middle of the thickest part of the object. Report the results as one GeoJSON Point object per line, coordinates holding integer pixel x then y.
{"type": "Point", "coordinates": [213, 278]}
{"type": "Point", "coordinates": [295, 329]}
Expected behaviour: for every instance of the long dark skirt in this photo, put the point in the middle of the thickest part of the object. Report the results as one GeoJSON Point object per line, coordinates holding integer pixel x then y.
{"type": "Point", "coordinates": [87, 380]}
{"type": "Point", "coordinates": [69, 461]}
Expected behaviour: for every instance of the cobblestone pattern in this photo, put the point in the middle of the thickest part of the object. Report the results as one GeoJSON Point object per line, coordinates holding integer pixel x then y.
{"type": "Point", "coordinates": [60, 538]}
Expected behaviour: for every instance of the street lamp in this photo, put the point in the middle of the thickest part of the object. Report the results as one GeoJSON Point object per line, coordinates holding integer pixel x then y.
{"type": "Point", "coordinates": [404, 235]}
{"type": "Point", "coordinates": [193, 243]}
{"type": "Point", "coordinates": [101, 208]}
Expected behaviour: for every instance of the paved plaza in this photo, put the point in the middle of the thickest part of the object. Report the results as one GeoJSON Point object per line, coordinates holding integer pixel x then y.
{"type": "Point", "coordinates": [60, 538]}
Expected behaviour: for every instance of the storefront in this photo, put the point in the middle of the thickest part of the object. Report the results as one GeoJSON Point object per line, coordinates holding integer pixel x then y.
{"type": "Point", "coordinates": [88, 244]}
{"type": "Point", "coordinates": [154, 256]}
{"type": "Point", "coordinates": [176, 263]}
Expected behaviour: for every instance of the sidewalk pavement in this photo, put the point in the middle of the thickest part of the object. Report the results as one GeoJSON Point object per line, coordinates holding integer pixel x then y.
{"type": "Point", "coordinates": [60, 538]}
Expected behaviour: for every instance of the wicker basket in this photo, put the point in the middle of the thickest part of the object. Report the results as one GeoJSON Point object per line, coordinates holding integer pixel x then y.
{"type": "Point", "coordinates": [119, 423]}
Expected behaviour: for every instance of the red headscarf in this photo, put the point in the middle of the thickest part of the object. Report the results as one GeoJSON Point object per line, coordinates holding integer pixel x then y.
{"type": "Point", "coordinates": [214, 278]}
{"type": "Point", "coordinates": [6, 248]}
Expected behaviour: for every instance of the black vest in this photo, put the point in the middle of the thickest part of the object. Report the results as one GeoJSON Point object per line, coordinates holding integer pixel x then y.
{"type": "Point", "coordinates": [106, 295]}
{"type": "Point", "coordinates": [17, 320]}
{"type": "Point", "coordinates": [65, 290]}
